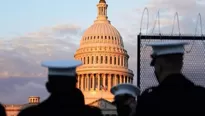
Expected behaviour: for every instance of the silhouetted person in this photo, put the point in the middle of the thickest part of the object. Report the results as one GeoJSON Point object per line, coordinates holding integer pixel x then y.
{"type": "Point", "coordinates": [175, 93]}
{"type": "Point", "coordinates": [125, 98]}
{"type": "Point", "coordinates": [65, 98]}
{"type": "Point", "coordinates": [2, 110]}
{"type": "Point", "coordinates": [92, 111]}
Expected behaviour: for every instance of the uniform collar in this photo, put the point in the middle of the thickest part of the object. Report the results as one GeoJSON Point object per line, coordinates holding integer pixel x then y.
{"type": "Point", "coordinates": [176, 80]}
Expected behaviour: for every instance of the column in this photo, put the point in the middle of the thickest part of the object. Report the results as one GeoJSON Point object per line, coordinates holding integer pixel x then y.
{"type": "Point", "coordinates": [98, 78]}
{"type": "Point", "coordinates": [87, 82]}
{"type": "Point", "coordinates": [108, 59]}
{"type": "Point", "coordinates": [93, 82]}
{"type": "Point", "coordinates": [113, 58]}
{"type": "Point", "coordinates": [103, 9]}
{"type": "Point", "coordinates": [116, 60]}
{"type": "Point", "coordinates": [104, 57]}
{"type": "Point", "coordinates": [109, 81]}
{"type": "Point", "coordinates": [115, 79]}
{"type": "Point", "coordinates": [86, 60]}
{"type": "Point", "coordinates": [90, 59]}
{"type": "Point", "coordinates": [81, 82]}
{"type": "Point", "coordinates": [99, 59]}
{"type": "Point", "coordinates": [120, 78]}
{"type": "Point", "coordinates": [94, 59]}
{"type": "Point", "coordinates": [104, 80]}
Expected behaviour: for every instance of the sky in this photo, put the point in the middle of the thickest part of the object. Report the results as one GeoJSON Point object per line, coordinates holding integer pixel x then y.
{"type": "Point", "coordinates": [36, 30]}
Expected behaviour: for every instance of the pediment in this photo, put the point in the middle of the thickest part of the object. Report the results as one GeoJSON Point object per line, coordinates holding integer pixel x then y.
{"type": "Point", "coordinates": [103, 104]}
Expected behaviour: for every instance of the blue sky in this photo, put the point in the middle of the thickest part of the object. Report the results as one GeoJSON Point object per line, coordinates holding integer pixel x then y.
{"type": "Point", "coordinates": [23, 16]}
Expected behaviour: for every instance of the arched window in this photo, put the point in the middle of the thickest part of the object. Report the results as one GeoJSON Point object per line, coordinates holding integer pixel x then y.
{"type": "Point", "coordinates": [118, 60]}
{"type": "Point", "coordinates": [84, 60]}
{"type": "Point", "coordinates": [88, 60]}
{"type": "Point", "coordinates": [110, 59]}
{"type": "Point", "coordinates": [105, 59]}
{"type": "Point", "coordinates": [115, 60]}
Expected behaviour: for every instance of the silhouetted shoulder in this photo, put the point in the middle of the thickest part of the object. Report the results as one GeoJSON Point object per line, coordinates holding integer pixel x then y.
{"type": "Point", "coordinates": [93, 111]}
{"type": "Point", "coordinates": [29, 111]}
{"type": "Point", "coordinates": [148, 91]}
{"type": "Point", "coordinates": [200, 88]}
{"type": "Point", "coordinates": [2, 110]}
{"type": "Point", "coordinates": [199, 91]}
{"type": "Point", "coordinates": [145, 98]}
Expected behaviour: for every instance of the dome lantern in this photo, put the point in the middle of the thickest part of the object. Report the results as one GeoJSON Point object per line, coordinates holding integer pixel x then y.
{"type": "Point", "coordinates": [102, 1]}
{"type": "Point", "coordinates": [102, 12]}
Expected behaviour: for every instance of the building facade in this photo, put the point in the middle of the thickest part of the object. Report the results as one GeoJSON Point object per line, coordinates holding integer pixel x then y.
{"type": "Point", "coordinates": [105, 60]}
{"type": "Point", "coordinates": [107, 108]}
{"type": "Point", "coordinates": [14, 109]}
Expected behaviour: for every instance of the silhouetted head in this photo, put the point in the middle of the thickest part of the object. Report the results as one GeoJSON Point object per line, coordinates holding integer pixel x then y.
{"type": "Point", "coordinates": [123, 104]}
{"type": "Point", "coordinates": [77, 99]}
{"type": "Point", "coordinates": [60, 84]}
{"type": "Point", "coordinates": [61, 76]}
{"type": "Point", "coordinates": [167, 58]}
{"type": "Point", "coordinates": [125, 95]}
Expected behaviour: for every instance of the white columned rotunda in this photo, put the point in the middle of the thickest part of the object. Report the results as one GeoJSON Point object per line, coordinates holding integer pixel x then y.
{"type": "Point", "coordinates": [105, 61]}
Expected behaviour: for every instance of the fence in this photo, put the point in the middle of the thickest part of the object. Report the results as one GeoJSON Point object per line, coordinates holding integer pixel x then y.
{"type": "Point", "coordinates": [194, 59]}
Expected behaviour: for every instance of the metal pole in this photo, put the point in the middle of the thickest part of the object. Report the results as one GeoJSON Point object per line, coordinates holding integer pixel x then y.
{"type": "Point", "coordinates": [138, 60]}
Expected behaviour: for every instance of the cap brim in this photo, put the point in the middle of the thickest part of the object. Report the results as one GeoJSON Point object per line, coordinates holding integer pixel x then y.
{"type": "Point", "coordinates": [167, 43]}
{"type": "Point", "coordinates": [62, 64]}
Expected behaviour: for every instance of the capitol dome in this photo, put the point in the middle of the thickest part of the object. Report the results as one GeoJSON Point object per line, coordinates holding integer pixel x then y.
{"type": "Point", "coordinates": [104, 29]}
{"type": "Point", "coordinates": [105, 61]}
